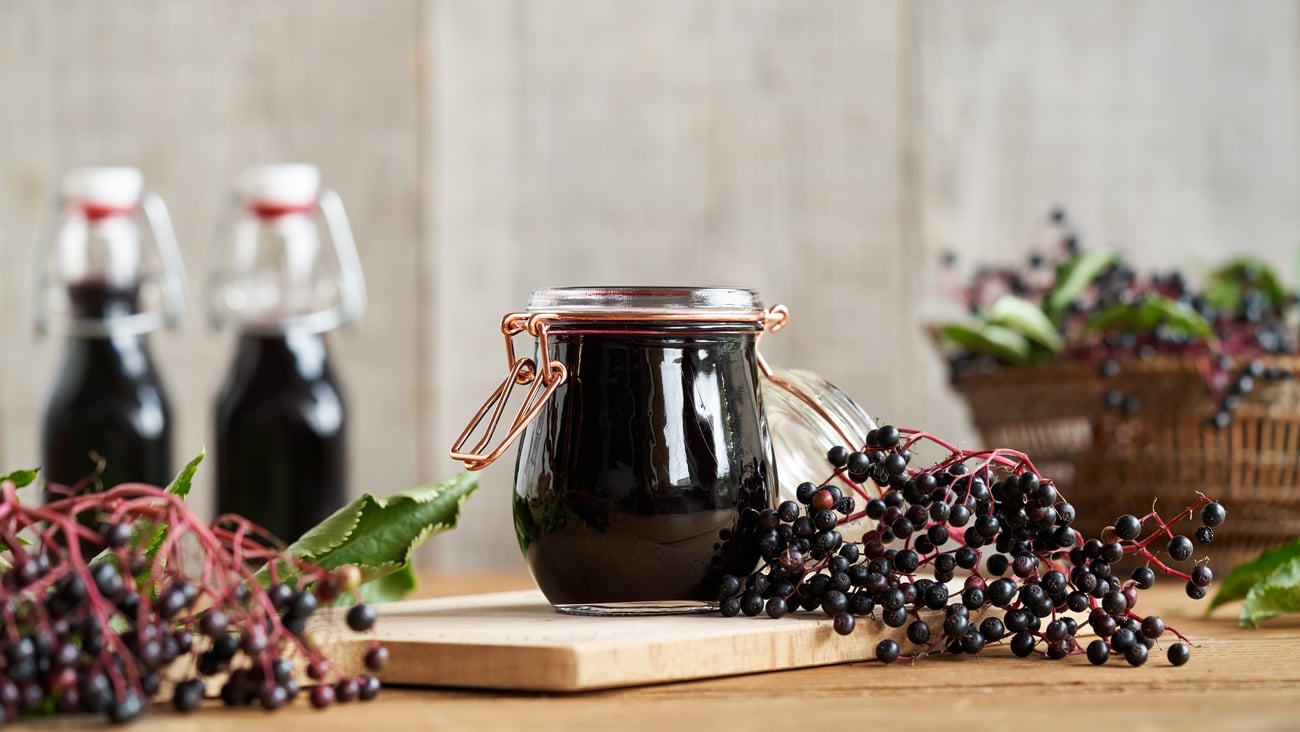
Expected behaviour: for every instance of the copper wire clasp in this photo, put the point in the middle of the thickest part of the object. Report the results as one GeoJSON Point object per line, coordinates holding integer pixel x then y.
{"type": "Point", "coordinates": [523, 372]}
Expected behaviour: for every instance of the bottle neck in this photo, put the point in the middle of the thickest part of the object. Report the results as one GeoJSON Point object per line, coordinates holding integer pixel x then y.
{"type": "Point", "coordinates": [98, 299]}
{"type": "Point", "coordinates": [108, 359]}
{"type": "Point", "coordinates": [294, 353]}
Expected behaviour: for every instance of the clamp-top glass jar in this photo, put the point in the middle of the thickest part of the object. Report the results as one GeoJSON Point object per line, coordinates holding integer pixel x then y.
{"type": "Point", "coordinates": [645, 458]}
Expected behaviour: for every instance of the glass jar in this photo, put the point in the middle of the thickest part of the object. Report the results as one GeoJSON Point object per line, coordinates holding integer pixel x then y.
{"type": "Point", "coordinates": [645, 456]}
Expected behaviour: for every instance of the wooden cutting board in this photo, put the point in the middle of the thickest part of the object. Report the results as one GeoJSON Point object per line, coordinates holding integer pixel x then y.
{"type": "Point", "coordinates": [515, 640]}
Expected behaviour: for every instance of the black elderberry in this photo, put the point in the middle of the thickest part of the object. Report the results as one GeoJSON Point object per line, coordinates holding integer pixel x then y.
{"type": "Point", "coordinates": [844, 623]}
{"type": "Point", "coordinates": [361, 617]}
{"type": "Point", "coordinates": [729, 606]}
{"type": "Point", "coordinates": [1128, 526]}
{"type": "Point", "coordinates": [1123, 639]}
{"type": "Point", "coordinates": [918, 632]}
{"type": "Point", "coordinates": [1136, 654]}
{"type": "Point", "coordinates": [1213, 514]}
{"type": "Point", "coordinates": [126, 708]}
{"type": "Point", "coordinates": [347, 690]}
{"type": "Point", "coordinates": [370, 687]}
{"type": "Point", "coordinates": [861, 603]}
{"type": "Point", "coordinates": [858, 463]}
{"type": "Point", "coordinates": [1205, 534]}
{"type": "Point", "coordinates": [1179, 653]}
{"type": "Point", "coordinates": [998, 564]}
{"type": "Point", "coordinates": [838, 456]}
{"type": "Point", "coordinates": [776, 607]}
{"type": "Point", "coordinates": [1202, 575]}
{"type": "Point", "coordinates": [887, 651]}
{"type": "Point", "coordinates": [1143, 577]}
{"type": "Point", "coordinates": [992, 629]}
{"type": "Point", "coordinates": [1022, 644]}
{"type": "Point", "coordinates": [896, 618]}
{"type": "Point", "coordinates": [973, 642]}
{"type": "Point", "coordinates": [1180, 547]}
{"type": "Point", "coordinates": [280, 595]}
{"type": "Point", "coordinates": [1098, 652]}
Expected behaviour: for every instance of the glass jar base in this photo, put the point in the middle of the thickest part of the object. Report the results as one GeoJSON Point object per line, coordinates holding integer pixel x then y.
{"type": "Point", "coordinates": [665, 607]}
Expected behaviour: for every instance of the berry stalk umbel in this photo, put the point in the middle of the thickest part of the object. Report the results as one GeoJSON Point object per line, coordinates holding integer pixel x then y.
{"type": "Point", "coordinates": [988, 513]}
{"type": "Point", "coordinates": [98, 634]}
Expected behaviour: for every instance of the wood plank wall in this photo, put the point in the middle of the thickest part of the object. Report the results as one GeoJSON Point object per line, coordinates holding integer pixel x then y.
{"type": "Point", "coordinates": [823, 153]}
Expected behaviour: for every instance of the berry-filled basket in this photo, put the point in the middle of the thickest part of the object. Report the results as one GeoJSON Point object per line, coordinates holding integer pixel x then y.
{"type": "Point", "coordinates": [1112, 457]}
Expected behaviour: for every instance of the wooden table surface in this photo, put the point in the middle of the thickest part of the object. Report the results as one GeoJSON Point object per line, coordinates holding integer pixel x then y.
{"type": "Point", "coordinates": [1237, 679]}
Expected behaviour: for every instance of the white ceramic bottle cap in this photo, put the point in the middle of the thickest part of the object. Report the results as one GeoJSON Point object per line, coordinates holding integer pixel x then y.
{"type": "Point", "coordinates": [290, 185]}
{"type": "Point", "coordinates": [110, 187]}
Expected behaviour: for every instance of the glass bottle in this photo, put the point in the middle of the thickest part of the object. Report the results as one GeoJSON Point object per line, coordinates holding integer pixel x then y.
{"type": "Point", "coordinates": [107, 419]}
{"type": "Point", "coordinates": [281, 454]}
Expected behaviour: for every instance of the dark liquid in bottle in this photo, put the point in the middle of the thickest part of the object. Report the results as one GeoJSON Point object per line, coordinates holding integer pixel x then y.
{"type": "Point", "coordinates": [642, 479]}
{"type": "Point", "coordinates": [107, 401]}
{"type": "Point", "coordinates": [280, 434]}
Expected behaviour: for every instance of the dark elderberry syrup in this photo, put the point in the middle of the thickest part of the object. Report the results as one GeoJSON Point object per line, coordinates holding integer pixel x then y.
{"type": "Point", "coordinates": [280, 419]}
{"type": "Point", "coordinates": [108, 401]}
{"type": "Point", "coordinates": [641, 480]}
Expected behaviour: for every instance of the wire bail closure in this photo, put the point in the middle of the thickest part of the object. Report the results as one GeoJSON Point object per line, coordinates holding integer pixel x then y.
{"type": "Point", "coordinates": [542, 383]}
{"type": "Point", "coordinates": [523, 372]}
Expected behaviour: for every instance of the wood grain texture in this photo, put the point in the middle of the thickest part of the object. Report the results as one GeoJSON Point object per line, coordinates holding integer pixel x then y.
{"type": "Point", "coordinates": [1236, 679]}
{"type": "Point", "coordinates": [516, 641]}
{"type": "Point", "coordinates": [192, 94]}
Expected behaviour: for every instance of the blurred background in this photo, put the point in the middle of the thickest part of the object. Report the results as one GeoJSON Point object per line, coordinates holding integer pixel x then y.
{"type": "Point", "coordinates": [823, 153]}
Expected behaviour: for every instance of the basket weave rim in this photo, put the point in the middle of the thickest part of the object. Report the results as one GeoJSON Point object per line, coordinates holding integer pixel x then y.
{"type": "Point", "coordinates": [1063, 371]}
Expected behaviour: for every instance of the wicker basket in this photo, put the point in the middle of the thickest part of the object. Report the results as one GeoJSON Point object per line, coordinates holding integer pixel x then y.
{"type": "Point", "coordinates": [1108, 463]}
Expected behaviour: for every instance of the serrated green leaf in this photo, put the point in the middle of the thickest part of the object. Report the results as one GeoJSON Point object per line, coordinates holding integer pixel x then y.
{"type": "Point", "coordinates": [1076, 275]}
{"type": "Point", "coordinates": [379, 535]}
{"type": "Point", "coordinates": [180, 485]}
{"type": "Point", "coordinates": [1150, 313]}
{"type": "Point", "coordinates": [20, 478]}
{"type": "Point", "coordinates": [1276, 594]}
{"type": "Point", "coordinates": [1238, 583]}
{"type": "Point", "coordinates": [1027, 319]}
{"type": "Point", "coordinates": [989, 339]}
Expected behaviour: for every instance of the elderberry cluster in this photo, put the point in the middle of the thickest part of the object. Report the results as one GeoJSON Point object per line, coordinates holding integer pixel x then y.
{"type": "Point", "coordinates": [1027, 576]}
{"type": "Point", "coordinates": [1248, 316]}
{"type": "Point", "coordinates": [102, 635]}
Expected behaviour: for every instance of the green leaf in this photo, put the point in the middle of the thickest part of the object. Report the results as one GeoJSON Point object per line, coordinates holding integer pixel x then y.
{"type": "Point", "coordinates": [1027, 319]}
{"type": "Point", "coordinates": [989, 339]}
{"type": "Point", "coordinates": [20, 478]}
{"type": "Point", "coordinates": [1152, 312]}
{"type": "Point", "coordinates": [1238, 583]}
{"type": "Point", "coordinates": [390, 587]}
{"type": "Point", "coordinates": [379, 535]}
{"type": "Point", "coordinates": [180, 485]}
{"type": "Point", "coordinates": [1225, 285]}
{"type": "Point", "coordinates": [1076, 275]}
{"type": "Point", "coordinates": [1277, 594]}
